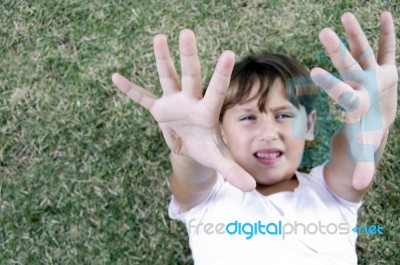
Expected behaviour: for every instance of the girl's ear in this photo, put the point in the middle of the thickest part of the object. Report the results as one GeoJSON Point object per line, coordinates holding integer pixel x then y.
{"type": "Point", "coordinates": [222, 131]}
{"type": "Point", "coordinates": [311, 120]}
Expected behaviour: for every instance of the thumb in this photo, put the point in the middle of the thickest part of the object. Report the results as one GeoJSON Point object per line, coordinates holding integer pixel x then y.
{"type": "Point", "coordinates": [235, 174]}
{"type": "Point", "coordinates": [363, 175]}
{"type": "Point", "coordinates": [363, 147]}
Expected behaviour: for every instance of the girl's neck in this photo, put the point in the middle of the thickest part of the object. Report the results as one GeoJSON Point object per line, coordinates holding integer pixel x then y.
{"type": "Point", "coordinates": [286, 185]}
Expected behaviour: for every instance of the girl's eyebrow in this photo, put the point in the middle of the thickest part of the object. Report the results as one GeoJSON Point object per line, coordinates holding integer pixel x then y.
{"type": "Point", "coordinates": [284, 107]}
{"type": "Point", "coordinates": [248, 109]}
{"type": "Point", "coordinates": [288, 106]}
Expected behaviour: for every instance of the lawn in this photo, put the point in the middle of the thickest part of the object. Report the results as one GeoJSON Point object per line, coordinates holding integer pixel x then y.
{"type": "Point", "coordinates": [84, 171]}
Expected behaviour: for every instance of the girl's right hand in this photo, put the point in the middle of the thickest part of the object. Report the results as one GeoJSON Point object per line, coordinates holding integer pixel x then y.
{"type": "Point", "coordinates": [189, 121]}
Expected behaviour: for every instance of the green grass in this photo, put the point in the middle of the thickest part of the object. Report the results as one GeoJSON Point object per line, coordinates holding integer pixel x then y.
{"type": "Point", "coordinates": [84, 171]}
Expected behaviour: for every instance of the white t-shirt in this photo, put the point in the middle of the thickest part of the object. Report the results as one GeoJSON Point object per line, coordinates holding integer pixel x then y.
{"type": "Point", "coordinates": [307, 226]}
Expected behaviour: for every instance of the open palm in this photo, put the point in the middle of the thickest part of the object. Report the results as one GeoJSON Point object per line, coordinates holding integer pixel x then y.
{"type": "Point", "coordinates": [189, 121]}
{"type": "Point", "coordinates": [368, 92]}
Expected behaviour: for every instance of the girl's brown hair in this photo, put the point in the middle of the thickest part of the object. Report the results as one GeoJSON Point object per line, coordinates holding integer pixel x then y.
{"type": "Point", "coordinates": [266, 68]}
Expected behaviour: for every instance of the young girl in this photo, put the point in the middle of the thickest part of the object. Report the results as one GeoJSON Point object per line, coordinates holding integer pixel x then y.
{"type": "Point", "coordinates": [235, 152]}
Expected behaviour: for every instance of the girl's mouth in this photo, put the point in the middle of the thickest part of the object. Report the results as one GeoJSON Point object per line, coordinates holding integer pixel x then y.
{"type": "Point", "coordinates": [268, 157]}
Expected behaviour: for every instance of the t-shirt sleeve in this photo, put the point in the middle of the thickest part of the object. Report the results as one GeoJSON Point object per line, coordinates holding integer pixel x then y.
{"type": "Point", "coordinates": [199, 210]}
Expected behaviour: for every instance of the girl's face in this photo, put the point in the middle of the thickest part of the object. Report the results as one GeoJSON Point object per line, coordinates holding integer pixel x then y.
{"type": "Point", "coordinates": [269, 145]}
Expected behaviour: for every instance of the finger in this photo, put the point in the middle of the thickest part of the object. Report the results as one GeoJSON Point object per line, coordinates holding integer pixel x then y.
{"type": "Point", "coordinates": [359, 46]}
{"type": "Point", "coordinates": [355, 104]}
{"type": "Point", "coordinates": [236, 175]}
{"type": "Point", "coordinates": [215, 94]}
{"type": "Point", "coordinates": [372, 138]}
{"type": "Point", "coordinates": [337, 52]}
{"type": "Point", "coordinates": [334, 87]}
{"type": "Point", "coordinates": [190, 64]}
{"type": "Point", "coordinates": [165, 67]}
{"type": "Point", "coordinates": [363, 175]}
{"type": "Point", "coordinates": [387, 40]}
{"type": "Point", "coordinates": [138, 94]}
{"type": "Point", "coordinates": [363, 146]}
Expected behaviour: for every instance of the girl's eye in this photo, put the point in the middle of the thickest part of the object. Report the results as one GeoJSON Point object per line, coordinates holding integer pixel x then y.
{"type": "Point", "coordinates": [248, 118]}
{"type": "Point", "coordinates": [283, 116]}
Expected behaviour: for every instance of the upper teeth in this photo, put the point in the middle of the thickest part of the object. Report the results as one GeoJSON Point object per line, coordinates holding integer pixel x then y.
{"type": "Point", "coordinates": [268, 155]}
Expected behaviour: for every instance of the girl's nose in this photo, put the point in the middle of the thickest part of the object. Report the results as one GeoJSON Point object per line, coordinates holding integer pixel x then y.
{"type": "Point", "coordinates": [267, 131]}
